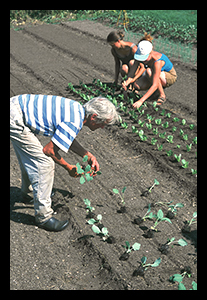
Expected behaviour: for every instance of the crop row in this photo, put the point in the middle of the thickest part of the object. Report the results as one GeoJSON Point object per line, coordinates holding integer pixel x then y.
{"type": "Point", "coordinates": [140, 22]}
{"type": "Point", "coordinates": [152, 124]}
{"type": "Point", "coordinates": [96, 222]}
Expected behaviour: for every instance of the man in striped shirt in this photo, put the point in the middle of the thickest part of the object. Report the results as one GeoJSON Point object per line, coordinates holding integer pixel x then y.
{"type": "Point", "coordinates": [61, 119]}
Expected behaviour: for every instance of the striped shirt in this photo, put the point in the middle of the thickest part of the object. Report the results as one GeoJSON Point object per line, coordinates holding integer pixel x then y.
{"type": "Point", "coordinates": [54, 116]}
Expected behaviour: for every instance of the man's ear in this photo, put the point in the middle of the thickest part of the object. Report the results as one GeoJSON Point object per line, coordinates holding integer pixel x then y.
{"type": "Point", "coordinates": [93, 117]}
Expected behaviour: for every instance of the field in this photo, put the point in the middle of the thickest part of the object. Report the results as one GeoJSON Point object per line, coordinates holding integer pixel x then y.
{"type": "Point", "coordinates": [44, 59]}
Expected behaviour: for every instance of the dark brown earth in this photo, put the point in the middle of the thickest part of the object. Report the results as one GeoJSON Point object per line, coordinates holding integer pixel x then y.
{"type": "Point", "coordinates": [44, 59]}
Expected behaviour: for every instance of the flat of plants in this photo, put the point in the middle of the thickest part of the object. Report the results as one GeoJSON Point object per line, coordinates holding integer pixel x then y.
{"type": "Point", "coordinates": [134, 225]}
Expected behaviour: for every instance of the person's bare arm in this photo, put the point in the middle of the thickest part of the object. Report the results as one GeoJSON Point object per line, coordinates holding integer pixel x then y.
{"type": "Point", "coordinates": [117, 66]}
{"type": "Point", "coordinates": [78, 149]}
{"type": "Point", "coordinates": [51, 150]}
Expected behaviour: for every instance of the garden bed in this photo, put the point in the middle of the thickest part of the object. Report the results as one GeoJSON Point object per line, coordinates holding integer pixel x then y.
{"type": "Point", "coordinates": [44, 59]}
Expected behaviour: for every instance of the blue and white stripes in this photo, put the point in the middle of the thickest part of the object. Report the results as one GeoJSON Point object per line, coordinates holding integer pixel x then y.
{"type": "Point", "coordinates": [54, 116]}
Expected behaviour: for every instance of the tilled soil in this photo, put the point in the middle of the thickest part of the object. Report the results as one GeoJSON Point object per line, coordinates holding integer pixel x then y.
{"type": "Point", "coordinates": [44, 59]}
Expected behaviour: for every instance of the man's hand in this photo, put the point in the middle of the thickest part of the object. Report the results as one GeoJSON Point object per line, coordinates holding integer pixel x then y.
{"type": "Point", "coordinates": [93, 162]}
{"type": "Point", "coordinates": [73, 171]}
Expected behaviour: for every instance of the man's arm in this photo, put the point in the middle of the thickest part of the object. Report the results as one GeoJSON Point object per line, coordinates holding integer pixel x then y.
{"type": "Point", "coordinates": [51, 150]}
{"type": "Point", "coordinates": [78, 149]}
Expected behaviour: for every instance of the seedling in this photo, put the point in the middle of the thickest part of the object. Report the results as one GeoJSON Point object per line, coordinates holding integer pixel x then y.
{"type": "Point", "coordinates": [134, 247]}
{"type": "Point", "coordinates": [153, 141]}
{"type": "Point", "coordinates": [193, 171]}
{"type": "Point", "coordinates": [164, 248]}
{"type": "Point", "coordinates": [169, 139]}
{"type": "Point", "coordinates": [89, 208]}
{"type": "Point", "coordinates": [169, 153]}
{"type": "Point", "coordinates": [104, 234]}
{"type": "Point", "coordinates": [156, 182]}
{"type": "Point", "coordinates": [124, 125]}
{"type": "Point", "coordinates": [173, 210]}
{"type": "Point", "coordinates": [92, 221]}
{"type": "Point", "coordinates": [87, 173]}
{"type": "Point", "coordinates": [179, 278]}
{"type": "Point", "coordinates": [159, 218]}
{"type": "Point", "coordinates": [165, 125]}
{"type": "Point", "coordinates": [155, 130]}
{"type": "Point", "coordinates": [186, 228]}
{"type": "Point", "coordinates": [139, 220]}
{"type": "Point", "coordinates": [158, 121]}
{"type": "Point", "coordinates": [121, 195]}
{"type": "Point", "coordinates": [184, 163]}
{"type": "Point", "coordinates": [143, 266]}
{"type": "Point", "coordinates": [177, 157]}
{"type": "Point", "coordinates": [183, 122]}
{"type": "Point", "coordinates": [176, 119]}
{"type": "Point", "coordinates": [160, 147]}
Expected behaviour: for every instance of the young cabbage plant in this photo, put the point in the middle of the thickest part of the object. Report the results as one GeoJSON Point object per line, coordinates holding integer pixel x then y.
{"type": "Point", "coordinates": [159, 218]}
{"type": "Point", "coordinates": [172, 210]}
{"type": "Point", "coordinates": [134, 247]}
{"type": "Point", "coordinates": [143, 266]}
{"type": "Point", "coordinates": [103, 232]}
{"type": "Point", "coordinates": [89, 208]}
{"type": "Point", "coordinates": [87, 173]}
{"type": "Point", "coordinates": [121, 195]}
{"type": "Point", "coordinates": [156, 182]}
{"type": "Point", "coordinates": [140, 220]}
{"type": "Point", "coordinates": [180, 242]}
{"type": "Point", "coordinates": [92, 220]}
{"type": "Point", "coordinates": [164, 248]}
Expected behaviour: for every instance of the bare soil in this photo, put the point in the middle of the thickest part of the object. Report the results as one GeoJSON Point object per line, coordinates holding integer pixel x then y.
{"type": "Point", "coordinates": [43, 60]}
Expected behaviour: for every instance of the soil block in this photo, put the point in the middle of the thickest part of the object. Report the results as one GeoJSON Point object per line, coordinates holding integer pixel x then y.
{"type": "Point", "coordinates": [164, 248]}
{"type": "Point", "coordinates": [138, 220]}
{"type": "Point", "coordinates": [139, 271]}
{"type": "Point", "coordinates": [122, 210]}
{"type": "Point", "coordinates": [149, 233]}
{"type": "Point", "coordinates": [124, 256]}
{"type": "Point", "coordinates": [111, 240]}
{"type": "Point", "coordinates": [186, 229]}
{"type": "Point", "coordinates": [170, 215]}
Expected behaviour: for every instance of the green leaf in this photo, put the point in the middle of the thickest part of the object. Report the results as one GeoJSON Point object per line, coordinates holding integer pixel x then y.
{"type": "Point", "coordinates": [79, 169]}
{"type": "Point", "coordinates": [96, 229]}
{"type": "Point", "coordinates": [87, 202]}
{"type": "Point", "coordinates": [99, 217]}
{"type": "Point", "coordinates": [104, 231]}
{"type": "Point", "coordinates": [194, 285]}
{"type": "Point", "coordinates": [182, 242]}
{"type": "Point", "coordinates": [98, 173]}
{"type": "Point", "coordinates": [88, 177]}
{"type": "Point", "coordinates": [85, 158]}
{"type": "Point", "coordinates": [82, 180]}
{"type": "Point", "coordinates": [136, 246]}
{"type": "Point", "coordinates": [166, 219]}
{"type": "Point", "coordinates": [127, 244]}
{"type": "Point", "coordinates": [195, 214]}
{"type": "Point", "coordinates": [179, 204]}
{"type": "Point", "coordinates": [176, 277]}
{"type": "Point", "coordinates": [88, 168]}
{"type": "Point", "coordinates": [160, 214]}
{"type": "Point", "coordinates": [115, 191]}
{"type": "Point", "coordinates": [156, 182]}
{"type": "Point", "coordinates": [123, 190]}
{"type": "Point", "coordinates": [181, 287]}
{"type": "Point", "coordinates": [143, 260]}
{"type": "Point", "coordinates": [156, 263]}
{"type": "Point", "coordinates": [91, 221]}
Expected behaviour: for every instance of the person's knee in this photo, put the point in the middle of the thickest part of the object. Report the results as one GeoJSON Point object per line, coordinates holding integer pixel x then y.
{"type": "Point", "coordinates": [124, 69]}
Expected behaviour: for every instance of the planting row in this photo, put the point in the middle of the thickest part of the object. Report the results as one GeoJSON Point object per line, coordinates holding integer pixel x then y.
{"type": "Point", "coordinates": [96, 222]}
{"type": "Point", "coordinates": [152, 124]}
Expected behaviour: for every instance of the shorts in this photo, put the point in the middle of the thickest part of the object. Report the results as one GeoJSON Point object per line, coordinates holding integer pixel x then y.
{"type": "Point", "coordinates": [170, 77]}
